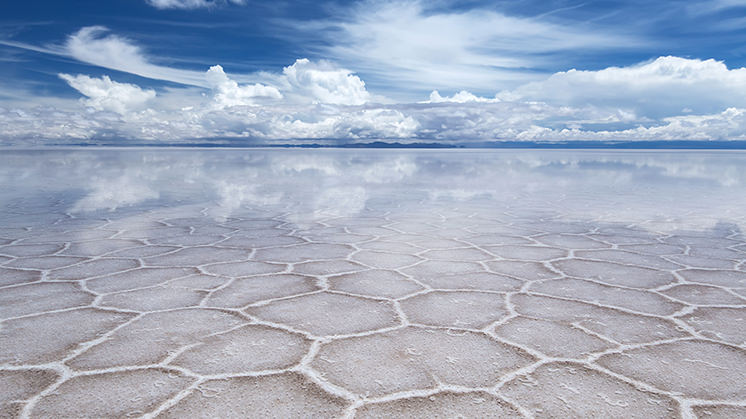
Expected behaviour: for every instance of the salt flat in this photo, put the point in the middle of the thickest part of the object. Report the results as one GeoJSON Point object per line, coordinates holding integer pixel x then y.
{"type": "Point", "coordinates": [326, 283]}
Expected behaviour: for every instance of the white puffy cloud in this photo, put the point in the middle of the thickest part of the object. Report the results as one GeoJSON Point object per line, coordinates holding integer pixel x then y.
{"type": "Point", "coordinates": [189, 4]}
{"type": "Point", "coordinates": [451, 123]}
{"type": "Point", "coordinates": [304, 81]}
{"type": "Point", "coordinates": [333, 123]}
{"type": "Point", "coordinates": [322, 82]}
{"type": "Point", "coordinates": [321, 103]}
{"type": "Point", "coordinates": [105, 94]}
{"type": "Point", "coordinates": [664, 87]}
{"type": "Point", "coordinates": [460, 97]}
{"type": "Point", "coordinates": [729, 124]}
{"type": "Point", "coordinates": [229, 93]}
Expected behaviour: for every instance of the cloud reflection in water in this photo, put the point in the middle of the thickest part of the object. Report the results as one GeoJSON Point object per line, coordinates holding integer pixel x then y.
{"type": "Point", "coordinates": [667, 190]}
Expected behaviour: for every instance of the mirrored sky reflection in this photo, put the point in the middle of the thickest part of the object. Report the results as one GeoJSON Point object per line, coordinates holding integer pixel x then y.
{"type": "Point", "coordinates": [392, 283]}
{"type": "Point", "coordinates": [659, 191]}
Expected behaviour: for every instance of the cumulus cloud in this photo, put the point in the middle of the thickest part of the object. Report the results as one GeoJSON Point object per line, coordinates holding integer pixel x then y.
{"type": "Point", "coordinates": [729, 124]}
{"type": "Point", "coordinates": [323, 82]}
{"type": "Point", "coordinates": [460, 97]}
{"type": "Point", "coordinates": [664, 87]}
{"type": "Point", "coordinates": [304, 81]}
{"type": "Point", "coordinates": [451, 123]}
{"type": "Point", "coordinates": [105, 94]}
{"type": "Point", "coordinates": [189, 4]}
{"type": "Point", "coordinates": [325, 122]}
{"type": "Point", "coordinates": [319, 102]}
{"type": "Point", "coordinates": [229, 93]}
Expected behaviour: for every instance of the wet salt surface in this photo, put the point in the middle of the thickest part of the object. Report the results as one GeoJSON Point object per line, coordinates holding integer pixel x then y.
{"type": "Point", "coordinates": [219, 283]}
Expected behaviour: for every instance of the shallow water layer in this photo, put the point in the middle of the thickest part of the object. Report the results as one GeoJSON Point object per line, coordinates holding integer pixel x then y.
{"type": "Point", "coordinates": [408, 283]}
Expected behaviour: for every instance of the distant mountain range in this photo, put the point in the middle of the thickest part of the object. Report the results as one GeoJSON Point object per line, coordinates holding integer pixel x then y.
{"type": "Point", "coordinates": [330, 143]}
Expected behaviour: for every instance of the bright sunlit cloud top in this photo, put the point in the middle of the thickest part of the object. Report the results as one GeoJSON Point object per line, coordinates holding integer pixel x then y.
{"type": "Point", "coordinates": [407, 71]}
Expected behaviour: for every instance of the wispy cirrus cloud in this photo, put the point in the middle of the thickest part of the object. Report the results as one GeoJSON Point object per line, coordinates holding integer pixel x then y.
{"type": "Point", "coordinates": [414, 46]}
{"type": "Point", "coordinates": [304, 81]}
{"type": "Point", "coordinates": [95, 45]}
{"type": "Point", "coordinates": [714, 6]}
{"type": "Point", "coordinates": [318, 100]}
{"type": "Point", "coordinates": [190, 4]}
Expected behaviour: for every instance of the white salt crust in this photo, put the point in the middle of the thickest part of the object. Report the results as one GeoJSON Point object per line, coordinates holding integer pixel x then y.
{"type": "Point", "coordinates": [409, 310]}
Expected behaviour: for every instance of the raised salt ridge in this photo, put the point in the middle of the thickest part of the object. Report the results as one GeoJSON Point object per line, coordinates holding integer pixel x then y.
{"type": "Point", "coordinates": [477, 284]}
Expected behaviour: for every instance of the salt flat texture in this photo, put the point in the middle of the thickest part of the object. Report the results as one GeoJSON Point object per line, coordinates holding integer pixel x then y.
{"type": "Point", "coordinates": [373, 284]}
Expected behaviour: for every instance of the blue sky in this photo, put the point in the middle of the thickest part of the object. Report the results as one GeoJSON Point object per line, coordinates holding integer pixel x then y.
{"type": "Point", "coordinates": [356, 71]}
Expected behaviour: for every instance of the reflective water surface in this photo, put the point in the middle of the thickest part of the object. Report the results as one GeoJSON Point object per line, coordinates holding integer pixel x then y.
{"type": "Point", "coordinates": [697, 189]}
{"type": "Point", "coordinates": [372, 283]}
